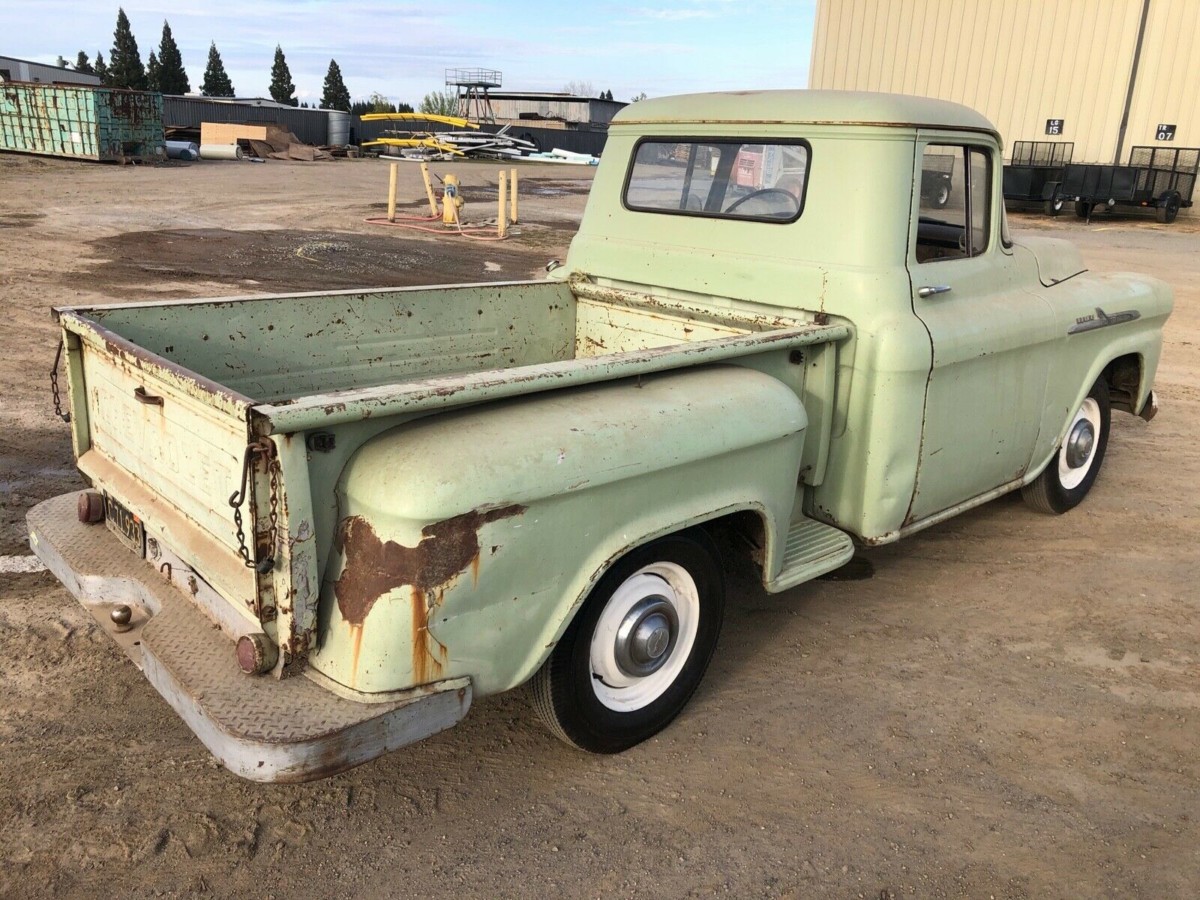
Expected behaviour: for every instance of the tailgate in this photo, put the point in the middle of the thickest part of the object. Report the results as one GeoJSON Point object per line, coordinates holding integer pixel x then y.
{"type": "Point", "coordinates": [167, 444]}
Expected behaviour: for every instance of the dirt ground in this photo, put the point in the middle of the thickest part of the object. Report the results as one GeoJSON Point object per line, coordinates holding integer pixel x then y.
{"type": "Point", "coordinates": [1006, 705]}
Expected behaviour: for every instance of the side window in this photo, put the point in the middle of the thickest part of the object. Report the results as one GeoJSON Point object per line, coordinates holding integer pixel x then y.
{"type": "Point", "coordinates": [954, 219]}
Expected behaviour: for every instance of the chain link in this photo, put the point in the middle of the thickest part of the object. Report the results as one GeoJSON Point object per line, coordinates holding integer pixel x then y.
{"type": "Point", "coordinates": [238, 498]}
{"type": "Point", "coordinates": [54, 391]}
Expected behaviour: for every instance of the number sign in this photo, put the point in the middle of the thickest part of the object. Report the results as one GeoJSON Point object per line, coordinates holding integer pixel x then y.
{"type": "Point", "coordinates": [1165, 133]}
{"type": "Point", "coordinates": [1054, 126]}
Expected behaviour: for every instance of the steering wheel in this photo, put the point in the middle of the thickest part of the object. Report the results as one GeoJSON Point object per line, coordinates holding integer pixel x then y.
{"type": "Point", "coordinates": [792, 202]}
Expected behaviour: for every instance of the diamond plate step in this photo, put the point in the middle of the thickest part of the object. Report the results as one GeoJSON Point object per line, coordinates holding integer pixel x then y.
{"type": "Point", "coordinates": [811, 549]}
{"type": "Point", "coordinates": [260, 728]}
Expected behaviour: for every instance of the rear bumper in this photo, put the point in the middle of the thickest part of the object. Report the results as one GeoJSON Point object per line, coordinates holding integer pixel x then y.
{"type": "Point", "coordinates": [260, 728]}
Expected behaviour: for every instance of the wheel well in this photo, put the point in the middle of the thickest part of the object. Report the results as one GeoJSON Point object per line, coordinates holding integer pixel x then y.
{"type": "Point", "coordinates": [741, 538]}
{"type": "Point", "coordinates": [1124, 378]}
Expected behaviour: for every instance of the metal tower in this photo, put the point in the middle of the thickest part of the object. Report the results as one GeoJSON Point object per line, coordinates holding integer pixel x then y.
{"type": "Point", "coordinates": [471, 86]}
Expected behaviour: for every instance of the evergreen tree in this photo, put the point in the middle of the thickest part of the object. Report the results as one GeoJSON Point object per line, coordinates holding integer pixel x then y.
{"type": "Point", "coordinates": [282, 89]}
{"type": "Point", "coordinates": [216, 83]}
{"type": "Point", "coordinates": [334, 94]}
{"type": "Point", "coordinates": [101, 69]}
{"type": "Point", "coordinates": [125, 69]}
{"type": "Point", "coordinates": [153, 73]}
{"type": "Point", "coordinates": [172, 79]}
{"type": "Point", "coordinates": [82, 64]}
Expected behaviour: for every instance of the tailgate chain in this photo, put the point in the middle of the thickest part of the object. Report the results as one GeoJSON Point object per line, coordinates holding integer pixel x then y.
{"type": "Point", "coordinates": [54, 392]}
{"type": "Point", "coordinates": [265, 449]}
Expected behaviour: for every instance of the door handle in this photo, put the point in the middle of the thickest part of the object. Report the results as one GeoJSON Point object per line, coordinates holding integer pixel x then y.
{"type": "Point", "coordinates": [930, 289]}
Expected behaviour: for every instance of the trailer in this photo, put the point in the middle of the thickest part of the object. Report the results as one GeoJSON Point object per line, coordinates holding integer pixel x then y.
{"type": "Point", "coordinates": [1035, 171]}
{"type": "Point", "coordinates": [1156, 177]}
{"type": "Point", "coordinates": [937, 178]}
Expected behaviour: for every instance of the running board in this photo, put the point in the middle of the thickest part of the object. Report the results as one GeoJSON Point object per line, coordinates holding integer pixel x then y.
{"type": "Point", "coordinates": [811, 549]}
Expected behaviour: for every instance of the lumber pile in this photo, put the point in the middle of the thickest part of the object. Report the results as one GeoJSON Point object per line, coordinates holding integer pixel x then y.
{"type": "Point", "coordinates": [264, 141]}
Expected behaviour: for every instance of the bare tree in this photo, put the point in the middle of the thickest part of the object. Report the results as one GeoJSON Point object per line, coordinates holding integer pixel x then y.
{"type": "Point", "coordinates": [579, 88]}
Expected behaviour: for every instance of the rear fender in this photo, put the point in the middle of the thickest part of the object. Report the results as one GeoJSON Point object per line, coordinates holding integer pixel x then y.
{"type": "Point", "coordinates": [468, 540]}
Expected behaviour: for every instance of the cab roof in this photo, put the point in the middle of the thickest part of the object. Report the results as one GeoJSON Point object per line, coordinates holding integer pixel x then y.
{"type": "Point", "coordinates": [805, 107]}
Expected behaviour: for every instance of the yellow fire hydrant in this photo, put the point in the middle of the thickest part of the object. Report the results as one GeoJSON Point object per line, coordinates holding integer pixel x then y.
{"type": "Point", "coordinates": [452, 201]}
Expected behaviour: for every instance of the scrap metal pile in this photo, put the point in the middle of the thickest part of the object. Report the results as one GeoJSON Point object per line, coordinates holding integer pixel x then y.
{"type": "Point", "coordinates": [470, 142]}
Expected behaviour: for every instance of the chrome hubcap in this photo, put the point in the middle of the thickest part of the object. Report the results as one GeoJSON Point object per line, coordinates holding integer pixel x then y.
{"type": "Point", "coordinates": [646, 636]}
{"type": "Point", "coordinates": [1079, 444]}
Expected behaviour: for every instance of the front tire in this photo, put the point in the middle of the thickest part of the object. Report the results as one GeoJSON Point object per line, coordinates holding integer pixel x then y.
{"type": "Point", "coordinates": [1073, 469]}
{"type": "Point", "coordinates": [634, 655]}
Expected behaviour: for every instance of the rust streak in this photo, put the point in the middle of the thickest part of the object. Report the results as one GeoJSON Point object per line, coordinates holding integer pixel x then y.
{"type": "Point", "coordinates": [356, 633]}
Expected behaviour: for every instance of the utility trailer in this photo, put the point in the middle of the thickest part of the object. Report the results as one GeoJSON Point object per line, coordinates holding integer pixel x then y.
{"type": "Point", "coordinates": [1156, 177]}
{"type": "Point", "coordinates": [1034, 173]}
{"type": "Point", "coordinates": [937, 179]}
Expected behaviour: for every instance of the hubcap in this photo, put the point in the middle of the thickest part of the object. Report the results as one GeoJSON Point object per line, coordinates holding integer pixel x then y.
{"type": "Point", "coordinates": [645, 636]}
{"type": "Point", "coordinates": [1077, 455]}
{"type": "Point", "coordinates": [1080, 443]}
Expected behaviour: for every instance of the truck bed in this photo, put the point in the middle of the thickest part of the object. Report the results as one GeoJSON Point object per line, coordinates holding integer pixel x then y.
{"type": "Point", "coordinates": [167, 397]}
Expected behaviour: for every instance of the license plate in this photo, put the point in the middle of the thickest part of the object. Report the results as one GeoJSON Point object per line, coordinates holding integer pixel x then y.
{"type": "Point", "coordinates": [125, 525]}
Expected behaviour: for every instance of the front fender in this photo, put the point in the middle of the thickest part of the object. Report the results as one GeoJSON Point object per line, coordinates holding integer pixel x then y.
{"type": "Point", "coordinates": [467, 540]}
{"type": "Point", "coordinates": [1089, 345]}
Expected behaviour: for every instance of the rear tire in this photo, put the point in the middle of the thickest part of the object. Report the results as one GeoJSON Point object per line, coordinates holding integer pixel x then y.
{"type": "Point", "coordinates": [1083, 209]}
{"type": "Point", "coordinates": [1072, 470]}
{"type": "Point", "coordinates": [637, 650]}
{"type": "Point", "coordinates": [1053, 207]}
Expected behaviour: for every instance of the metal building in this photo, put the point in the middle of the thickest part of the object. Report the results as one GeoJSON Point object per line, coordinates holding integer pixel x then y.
{"type": "Point", "coordinates": [1105, 74]}
{"type": "Point", "coordinates": [13, 69]}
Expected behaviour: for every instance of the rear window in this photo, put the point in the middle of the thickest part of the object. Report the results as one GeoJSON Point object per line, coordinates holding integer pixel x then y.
{"type": "Point", "coordinates": [735, 179]}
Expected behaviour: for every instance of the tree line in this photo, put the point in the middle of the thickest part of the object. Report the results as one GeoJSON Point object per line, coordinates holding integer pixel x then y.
{"type": "Point", "coordinates": [164, 72]}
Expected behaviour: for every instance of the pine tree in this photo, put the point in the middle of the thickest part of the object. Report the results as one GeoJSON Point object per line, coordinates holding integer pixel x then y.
{"type": "Point", "coordinates": [101, 69]}
{"type": "Point", "coordinates": [172, 79]}
{"type": "Point", "coordinates": [125, 69]}
{"type": "Point", "coordinates": [216, 83]}
{"type": "Point", "coordinates": [82, 64]}
{"type": "Point", "coordinates": [334, 94]}
{"type": "Point", "coordinates": [282, 89]}
{"type": "Point", "coordinates": [153, 73]}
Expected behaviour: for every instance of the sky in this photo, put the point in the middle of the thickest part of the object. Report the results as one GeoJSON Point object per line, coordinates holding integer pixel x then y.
{"type": "Point", "coordinates": [402, 50]}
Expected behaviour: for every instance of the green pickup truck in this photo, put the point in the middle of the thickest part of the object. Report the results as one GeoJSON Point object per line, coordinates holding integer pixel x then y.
{"type": "Point", "coordinates": [766, 341]}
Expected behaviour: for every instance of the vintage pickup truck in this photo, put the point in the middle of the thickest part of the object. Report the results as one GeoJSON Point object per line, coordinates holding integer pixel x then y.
{"type": "Point", "coordinates": [764, 341]}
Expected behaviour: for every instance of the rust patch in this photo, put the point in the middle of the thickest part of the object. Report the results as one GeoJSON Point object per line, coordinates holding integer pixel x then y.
{"type": "Point", "coordinates": [374, 567]}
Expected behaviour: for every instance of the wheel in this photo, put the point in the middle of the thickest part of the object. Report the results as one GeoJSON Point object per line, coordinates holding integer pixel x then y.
{"type": "Point", "coordinates": [774, 198]}
{"type": "Point", "coordinates": [1083, 209]}
{"type": "Point", "coordinates": [637, 650]}
{"type": "Point", "coordinates": [1073, 469]}
{"type": "Point", "coordinates": [1168, 208]}
{"type": "Point", "coordinates": [942, 197]}
{"type": "Point", "coordinates": [1053, 207]}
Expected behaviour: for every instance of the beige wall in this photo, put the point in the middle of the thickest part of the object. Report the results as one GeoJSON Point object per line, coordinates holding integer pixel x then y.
{"type": "Point", "coordinates": [1021, 62]}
